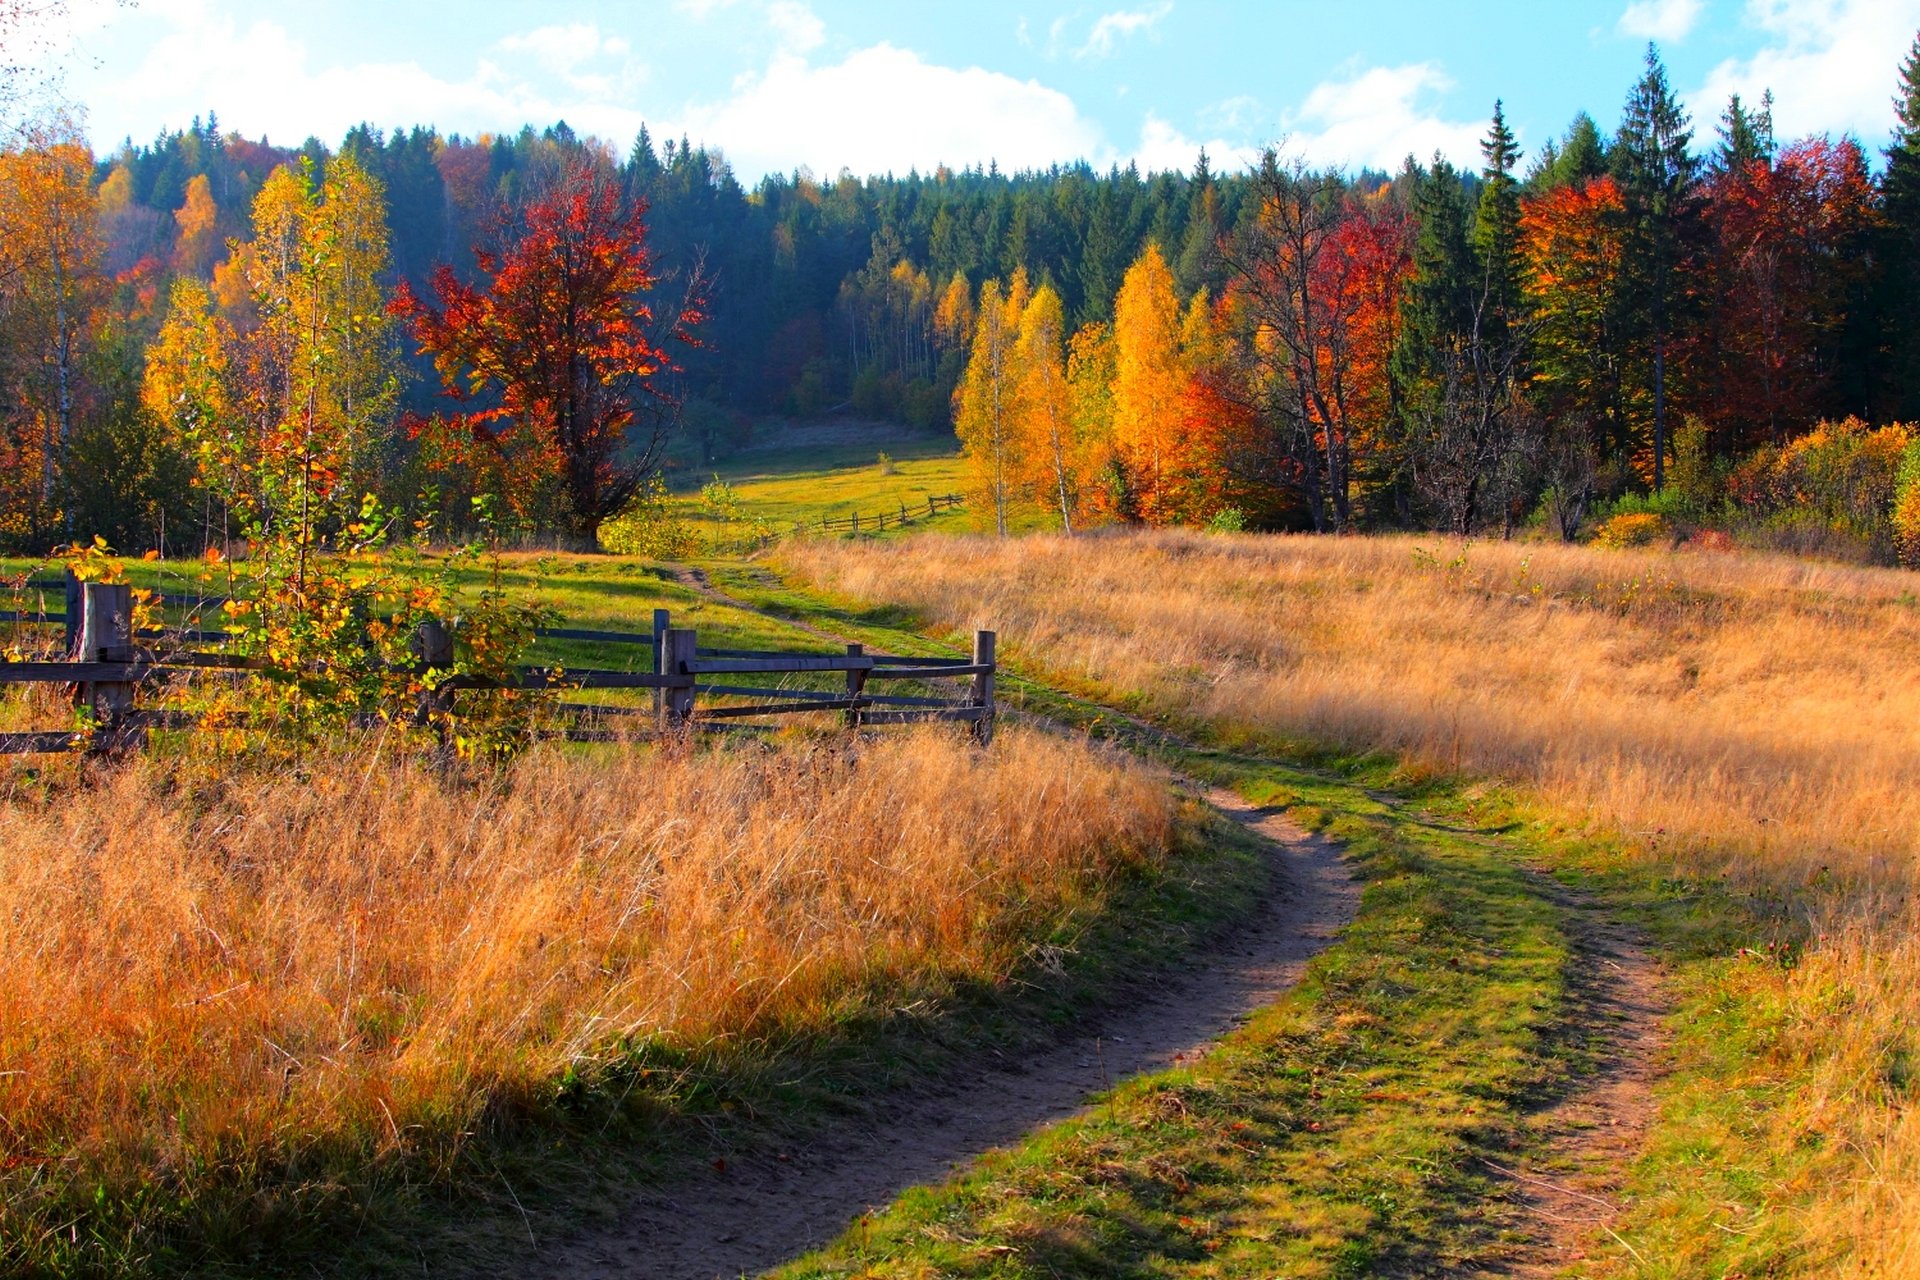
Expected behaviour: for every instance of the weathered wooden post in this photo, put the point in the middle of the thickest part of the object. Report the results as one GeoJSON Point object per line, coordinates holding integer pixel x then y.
{"type": "Point", "coordinates": [982, 693]}
{"type": "Point", "coordinates": [932, 510]}
{"type": "Point", "coordinates": [679, 648]}
{"type": "Point", "coordinates": [432, 648]}
{"type": "Point", "coordinates": [73, 616]}
{"type": "Point", "coordinates": [903, 511]}
{"type": "Point", "coordinates": [856, 684]}
{"type": "Point", "coordinates": [105, 635]}
{"type": "Point", "coordinates": [662, 619]}
{"type": "Point", "coordinates": [856, 522]}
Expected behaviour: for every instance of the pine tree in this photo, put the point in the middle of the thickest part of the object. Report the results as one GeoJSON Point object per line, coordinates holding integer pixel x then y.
{"type": "Point", "coordinates": [1657, 175]}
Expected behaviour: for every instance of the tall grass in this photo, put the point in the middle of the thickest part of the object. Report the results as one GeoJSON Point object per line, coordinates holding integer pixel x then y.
{"type": "Point", "coordinates": [1750, 716]}
{"type": "Point", "coordinates": [215, 984]}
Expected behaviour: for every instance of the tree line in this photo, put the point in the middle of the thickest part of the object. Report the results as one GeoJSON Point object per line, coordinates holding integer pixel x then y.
{"type": "Point", "coordinates": [1612, 319]}
{"type": "Point", "coordinates": [1629, 324]}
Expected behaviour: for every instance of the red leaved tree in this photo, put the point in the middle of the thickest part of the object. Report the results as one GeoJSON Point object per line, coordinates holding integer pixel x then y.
{"type": "Point", "coordinates": [1786, 261]}
{"type": "Point", "coordinates": [557, 354]}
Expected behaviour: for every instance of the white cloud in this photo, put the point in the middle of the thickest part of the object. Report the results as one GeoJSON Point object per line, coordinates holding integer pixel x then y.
{"type": "Point", "coordinates": [263, 83]}
{"type": "Point", "coordinates": [1833, 66]}
{"type": "Point", "coordinates": [570, 51]}
{"type": "Point", "coordinates": [1669, 21]}
{"type": "Point", "coordinates": [883, 108]}
{"type": "Point", "coordinates": [1375, 118]}
{"type": "Point", "coordinates": [872, 110]}
{"type": "Point", "coordinates": [1164, 147]}
{"type": "Point", "coordinates": [1109, 29]}
{"type": "Point", "coordinates": [557, 48]}
{"type": "Point", "coordinates": [795, 26]}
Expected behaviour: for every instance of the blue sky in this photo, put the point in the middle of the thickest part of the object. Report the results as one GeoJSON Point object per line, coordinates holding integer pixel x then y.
{"type": "Point", "coordinates": [777, 84]}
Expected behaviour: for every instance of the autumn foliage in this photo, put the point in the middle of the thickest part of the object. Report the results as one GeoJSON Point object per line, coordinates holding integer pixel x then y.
{"type": "Point", "coordinates": [558, 355]}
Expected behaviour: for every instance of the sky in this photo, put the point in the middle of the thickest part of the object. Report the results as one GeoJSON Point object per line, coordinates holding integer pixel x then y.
{"type": "Point", "coordinates": [873, 87]}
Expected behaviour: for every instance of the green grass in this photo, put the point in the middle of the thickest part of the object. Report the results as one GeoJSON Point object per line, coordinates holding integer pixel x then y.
{"type": "Point", "coordinates": [783, 490]}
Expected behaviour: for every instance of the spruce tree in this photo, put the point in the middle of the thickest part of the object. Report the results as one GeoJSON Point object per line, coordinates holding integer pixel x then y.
{"type": "Point", "coordinates": [1746, 137]}
{"type": "Point", "coordinates": [1900, 248]}
{"type": "Point", "coordinates": [1496, 227]}
{"type": "Point", "coordinates": [1581, 155]}
{"type": "Point", "coordinates": [1443, 291]}
{"type": "Point", "coordinates": [1657, 176]}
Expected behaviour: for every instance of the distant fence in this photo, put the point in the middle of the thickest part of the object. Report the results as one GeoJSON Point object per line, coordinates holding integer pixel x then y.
{"type": "Point", "coordinates": [107, 670]}
{"type": "Point", "coordinates": [881, 521]}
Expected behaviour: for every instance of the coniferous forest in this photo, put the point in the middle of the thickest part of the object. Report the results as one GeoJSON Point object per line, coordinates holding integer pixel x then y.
{"type": "Point", "coordinates": [1689, 319]}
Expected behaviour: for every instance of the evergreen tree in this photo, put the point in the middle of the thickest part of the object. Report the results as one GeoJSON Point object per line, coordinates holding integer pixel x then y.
{"type": "Point", "coordinates": [1746, 137]}
{"type": "Point", "coordinates": [643, 166]}
{"type": "Point", "coordinates": [1443, 292]}
{"type": "Point", "coordinates": [1900, 250]}
{"type": "Point", "coordinates": [1496, 227]}
{"type": "Point", "coordinates": [1581, 155]}
{"type": "Point", "coordinates": [1657, 176]}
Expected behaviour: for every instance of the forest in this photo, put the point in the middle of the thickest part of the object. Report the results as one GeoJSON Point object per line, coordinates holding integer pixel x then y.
{"type": "Point", "coordinates": [1682, 322]}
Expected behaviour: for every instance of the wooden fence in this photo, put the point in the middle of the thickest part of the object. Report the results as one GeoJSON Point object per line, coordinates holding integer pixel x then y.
{"type": "Point", "coordinates": [880, 521]}
{"type": "Point", "coordinates": [106, 670]}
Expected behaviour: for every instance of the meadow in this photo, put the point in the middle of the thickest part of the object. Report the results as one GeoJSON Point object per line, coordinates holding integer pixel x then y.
{"type": "Point", "coordinates": [234, 1005]}
{"type": "Point", "coordinates": [1733, 719]}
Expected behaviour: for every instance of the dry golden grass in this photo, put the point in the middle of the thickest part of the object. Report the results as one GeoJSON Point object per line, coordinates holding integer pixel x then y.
{"type": "Point", "coordinates": [1754, 716]}
{"type": "Point", "coordinates": [258, 968]}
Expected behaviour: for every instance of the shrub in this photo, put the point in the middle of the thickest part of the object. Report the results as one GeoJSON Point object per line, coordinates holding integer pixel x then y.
{"type": "Point", "coordinates": [1633, 529]}
{"type": "Point", "coordinates": [1905, 517]}
{"type": "Point", "coordinates": [649, 527]}
{"type": "Point", "coordinates": [1228, 520]}
{"type": "Point", "coordinates": [1697, 480]}
{"type": "Point", "coordinates": [1843, 472]}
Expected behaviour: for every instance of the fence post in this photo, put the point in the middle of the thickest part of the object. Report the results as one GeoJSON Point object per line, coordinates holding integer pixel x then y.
{"type": "Point", "coordinates": [856, 522]}
{"type": "Point", "coordinates": [73, 616]}
{"type": "Point", "coordinates": [105, 635]}
{"type": "Point", "coordinates": [982, 695]}
{"type": "Point", "coordinates": [932, 510]}
{"type": "Point", "coordinates": [678, 649]}
{"type": "Point", "coordinates": [662, 619]}
{"type": "Point", "coordinates": [856, 685]}
{"type": "Point", "coordinates": [432, 647]}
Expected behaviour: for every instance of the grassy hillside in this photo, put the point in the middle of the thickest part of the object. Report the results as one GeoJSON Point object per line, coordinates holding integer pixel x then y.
{"type": "Point", "coordinates": [1729, 723]}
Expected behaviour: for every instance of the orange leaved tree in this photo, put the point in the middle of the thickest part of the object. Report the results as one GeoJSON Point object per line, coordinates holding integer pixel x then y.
{"type": "Point", "coordinates": [557, 356]}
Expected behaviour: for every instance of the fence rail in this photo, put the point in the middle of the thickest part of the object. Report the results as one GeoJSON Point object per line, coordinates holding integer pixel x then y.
{"type": "Point", "coordinates": [107, 671]}
{"type": "Point", "coordinates": [881, 521]}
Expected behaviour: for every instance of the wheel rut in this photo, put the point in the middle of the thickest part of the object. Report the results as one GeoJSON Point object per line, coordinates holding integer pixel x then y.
{"type": "Point", "coordinates": [747, 1214]}
{"type": "Point", "coordinates": [1567, 1192]}
{"type": "Point", "coordinates": [751, 1211]}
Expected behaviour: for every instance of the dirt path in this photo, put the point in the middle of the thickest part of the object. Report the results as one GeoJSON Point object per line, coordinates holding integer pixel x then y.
{"type": "Point", "coordinates": [1567, 1192]}
{"type": "Point", "coordinates": [760, 1210]}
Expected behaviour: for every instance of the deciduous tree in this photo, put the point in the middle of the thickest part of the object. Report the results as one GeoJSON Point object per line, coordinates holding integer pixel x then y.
{"type": "Point", "coordinates": [558, 355]}
{"type": "Point", "coordinates": [986, 401]}
{"type": "Point", "coordinates": [1149, 379]}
